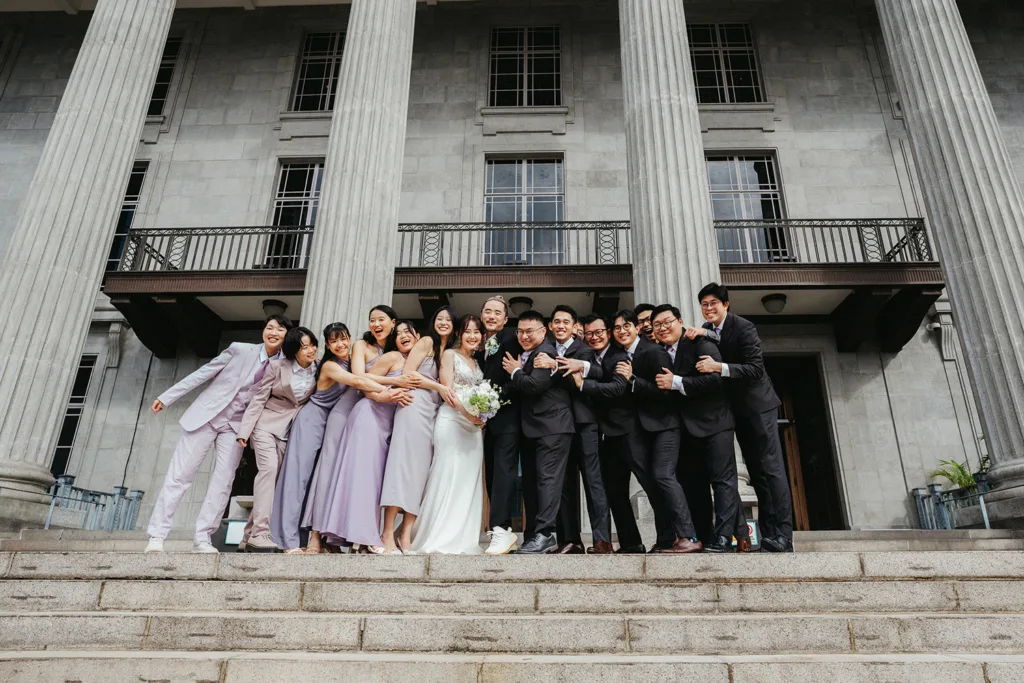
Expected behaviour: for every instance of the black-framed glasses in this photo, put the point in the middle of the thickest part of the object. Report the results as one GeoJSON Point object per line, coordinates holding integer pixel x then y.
{"type": "Point", "coordinates": [594, 334]}
{"type": "Point", "coordinates": [527, 333]}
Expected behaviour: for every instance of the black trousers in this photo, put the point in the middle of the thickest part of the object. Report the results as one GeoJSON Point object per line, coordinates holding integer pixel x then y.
{"type": "Point", "coordinates": [501, 467]}
{"type": "Point", "coordinates": [544, 463]}
{"type": "Point", "coordinates": [762, 452]}
{"type": "Point", "coordinates": [660, 453]}
{"type": "Point", "coordinates": [585, 460]}
{"type": "Point", "coordinates": [715, 456]}
{"type": "Point", "coordinates": [615, 471]}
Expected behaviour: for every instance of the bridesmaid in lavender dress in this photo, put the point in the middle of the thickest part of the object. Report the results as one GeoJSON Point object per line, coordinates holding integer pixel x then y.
{"type": "Point", "coordinates": [307, 435]}
{"type": "Point", "coordinates": [412, 438]}
{"type": "Point", "coordinates": [353, 513]}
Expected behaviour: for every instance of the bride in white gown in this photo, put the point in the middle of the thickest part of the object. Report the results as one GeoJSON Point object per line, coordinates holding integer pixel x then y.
{"type": "Point", "coordinates": [452, 510]}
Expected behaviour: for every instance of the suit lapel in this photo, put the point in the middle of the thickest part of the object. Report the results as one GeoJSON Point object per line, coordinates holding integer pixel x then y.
{"type": "Point", "coordinates": [286, 380]}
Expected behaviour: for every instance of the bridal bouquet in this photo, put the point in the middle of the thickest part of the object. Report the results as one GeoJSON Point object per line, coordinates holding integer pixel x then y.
{"type": "Point", "coordinates": [481, 401]}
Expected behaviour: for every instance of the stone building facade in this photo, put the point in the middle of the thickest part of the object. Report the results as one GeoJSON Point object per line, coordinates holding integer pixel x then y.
{"type": "Point", "coordinates": [823, 143]}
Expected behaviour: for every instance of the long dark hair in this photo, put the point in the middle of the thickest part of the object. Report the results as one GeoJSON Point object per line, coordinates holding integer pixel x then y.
{"type": "Point", "coordinates": [389, 343]}
{"type": "Point", "coordinates": [332, 332]}
{"type": "Point", "coordinates": [436, 338]}
{"type": "Point", "coordinates": [464, 322]}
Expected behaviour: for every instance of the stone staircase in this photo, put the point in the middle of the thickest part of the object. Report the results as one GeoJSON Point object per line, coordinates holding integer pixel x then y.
{"type": "Point", "coordinates": [810, 617]}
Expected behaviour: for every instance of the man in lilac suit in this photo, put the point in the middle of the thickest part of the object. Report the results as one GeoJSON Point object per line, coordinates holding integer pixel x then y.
{"type": "Point", "coordinates": [212, 420]}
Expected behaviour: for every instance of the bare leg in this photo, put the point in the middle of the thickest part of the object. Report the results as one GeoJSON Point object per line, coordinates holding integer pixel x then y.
{"type": "Point", "coordinates": [390, 514]}
{"type": "Point", "coordinates": [313, 545]}
{"type": "Point", "coordinates": [405, 531]}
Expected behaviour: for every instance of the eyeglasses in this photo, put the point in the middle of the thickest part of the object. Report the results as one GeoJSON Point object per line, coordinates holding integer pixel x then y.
{"type": "Point", "coordinates": [710, 304]}
{"type": "Point", "coordinates": [621, 328]}
{"type": "Point", "coordinates": [527, 333]}
{"type": "Point", "coordinates": [594, 334]}
{"type": "Point", "coordinates": [664, 325]}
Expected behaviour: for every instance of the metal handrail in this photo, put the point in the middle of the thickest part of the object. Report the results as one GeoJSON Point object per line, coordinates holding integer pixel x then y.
{"type": "Point", "coordinates": [116, 511]}
{"type": "Point", "coordinates": [429, 245]}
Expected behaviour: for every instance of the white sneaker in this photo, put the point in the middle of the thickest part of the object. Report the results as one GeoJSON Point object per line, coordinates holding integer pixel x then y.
{"type": "Point", "coordinates": [503, 541]}
{"type": "Point", "coordinates": [156, 545]}
{"type": "Point", "coordinates": [204, 547]}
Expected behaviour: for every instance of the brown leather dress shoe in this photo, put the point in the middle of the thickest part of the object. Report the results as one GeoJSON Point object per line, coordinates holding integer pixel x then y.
{"type": "Point", "coordinates": [684, 545]}
{"type": "Point", "coordinates": [601, 548]}
{"type": "Point", "coordinates": [743, 545]}
{"type": "Point", "coordinates": [571, 549]}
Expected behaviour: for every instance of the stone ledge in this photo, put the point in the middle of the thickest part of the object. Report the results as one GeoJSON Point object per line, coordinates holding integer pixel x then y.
{"type": "Point", "coordinates": [496, 120]}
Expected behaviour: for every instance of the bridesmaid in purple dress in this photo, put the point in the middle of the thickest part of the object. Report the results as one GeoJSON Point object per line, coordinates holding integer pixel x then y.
{"type": "Point", "coordinates": [412, 438]}
{"type": "Point", "coordinates": [364, 443]}
{"type": "Point", "coordinates": [307, 435]}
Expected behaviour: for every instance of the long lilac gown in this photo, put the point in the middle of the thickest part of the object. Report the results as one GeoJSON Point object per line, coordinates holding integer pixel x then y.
{"type": "Point", "coordinates": [412, 447]}
{"type": "Point", "coordinates": [353, 515]}
{"type": "Point", "coordinates": [304, 441]}
{"type": "Point", "coordinates": [324, 476]}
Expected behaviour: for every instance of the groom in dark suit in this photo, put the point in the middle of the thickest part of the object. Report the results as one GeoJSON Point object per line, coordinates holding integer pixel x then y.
{"type": "Point", "coordinates": [547, 430]}
{"type": "Point", "coordinates": [756, 407]}
{"type": "Point", "coordinates": [501, 438]}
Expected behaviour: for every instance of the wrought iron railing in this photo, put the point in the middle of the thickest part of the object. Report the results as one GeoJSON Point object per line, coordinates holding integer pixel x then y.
{"type": "Point", "coordinates": [428, 245]}
{"type": "Point", "coordinates": [212, 249]}
{"type": "Point", "coordinates": [937, 509]}
{"type": "Point", "coordinates": [116, 511]}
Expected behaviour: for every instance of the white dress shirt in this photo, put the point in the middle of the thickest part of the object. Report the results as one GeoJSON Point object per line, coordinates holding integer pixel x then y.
{"type": "Point", "coordinates": [302, 379]}
{"type": "Point", "coordinates": [718, 331]}
{"type": "Point", "coordinates": [677, 381]}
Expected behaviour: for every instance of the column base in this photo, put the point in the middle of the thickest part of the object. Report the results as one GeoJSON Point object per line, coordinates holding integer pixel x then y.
{"type": "Point", "coordinates": [25, 481]}
{"type": "Point", "coordinates": [1005, 509]}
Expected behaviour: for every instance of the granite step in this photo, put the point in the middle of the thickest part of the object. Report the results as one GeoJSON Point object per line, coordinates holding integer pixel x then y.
{"type": "Point", "coordinates": [700, 568]}
{"type": "Point", "coordinates": [562, 597]}
{"type": "Point", "coordinates": [248, 667]}
{"type": "Point", "coordinates": [721, 634]}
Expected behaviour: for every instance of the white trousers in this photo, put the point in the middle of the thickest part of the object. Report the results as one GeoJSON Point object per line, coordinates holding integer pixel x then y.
{"type": "Point", "coordinates": [188, 457]}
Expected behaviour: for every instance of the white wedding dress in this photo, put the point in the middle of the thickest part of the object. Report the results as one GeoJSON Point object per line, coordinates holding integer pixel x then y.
{"type": "Point", "coordinates": [452, 511]}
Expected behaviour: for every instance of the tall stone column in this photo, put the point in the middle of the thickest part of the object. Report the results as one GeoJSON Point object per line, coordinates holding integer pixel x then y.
{"type": "Point", "coordinates": [674, 248]}
{"type": "Point", "coordinates": [54, 263]}
{"type": "Point", "coordinates": [355, 242]}
{"type": "Point", "coordinates": [976, 210]}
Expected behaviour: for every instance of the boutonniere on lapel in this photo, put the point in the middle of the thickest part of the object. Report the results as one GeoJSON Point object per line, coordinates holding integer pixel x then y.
{"type": "Point", "coordinates": [491, 346]}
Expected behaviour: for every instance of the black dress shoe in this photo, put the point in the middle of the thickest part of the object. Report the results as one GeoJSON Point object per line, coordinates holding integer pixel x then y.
{"type": "Point", "coordinates": [631, 550]}
{"type": "Point", "coordinates": [571, 549]}
{"type": "Point", "coordinates": [660, 546]}
{"type": "Point", "coordinates": [779, 544]}
{"type": "Point", "coordinates": [722, 544]}
{"type": "Point", "coordinates": [539, 544]}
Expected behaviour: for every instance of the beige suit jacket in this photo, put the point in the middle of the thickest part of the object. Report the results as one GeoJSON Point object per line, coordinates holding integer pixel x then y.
{"type": "Point", "coordinates": [274, 406]}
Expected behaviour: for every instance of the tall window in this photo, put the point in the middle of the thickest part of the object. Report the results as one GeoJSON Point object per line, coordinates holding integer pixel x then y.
{"type": "Point", "coordinates": [73, 415]}
{"type": "Point", "coordinates": [295, 207]}
{"type": "Point", "coordinates": [724, 63]}
{"type": "Point", "coordinates": [747, 188]}
{"type": "Point", "coordinates": [524, 191]}
{"type": "Point", "coordinates": [526, 67]}
{"type": "Point", "coordinates": [317, 81]}
{"type": "Point", "coordinates": [129, 206]}
{"type": "Point", "coordinates": [164, 76]}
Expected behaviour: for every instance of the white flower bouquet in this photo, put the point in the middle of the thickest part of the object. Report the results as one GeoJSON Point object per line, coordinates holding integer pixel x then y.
{"type": "Point", "coordinates": [482, 401]}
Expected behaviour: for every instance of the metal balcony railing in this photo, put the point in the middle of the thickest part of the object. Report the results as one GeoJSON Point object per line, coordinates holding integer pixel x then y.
{"type": "Point", "coordinates": [569, 243]}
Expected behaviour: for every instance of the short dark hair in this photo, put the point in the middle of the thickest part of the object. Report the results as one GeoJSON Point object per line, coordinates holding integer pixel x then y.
{"type": "Point", "coordinates": [720, 292]}
{"type": "Point", "coordinates": [658, 310]}
{"type": "Point", "coordinates": [564, 308]}
{"type": "Point", "coordinates": [593, 318]}
{"type": "Point", "coordinates": [531, 315]}
{"type": "Point", "coordinates": [281, 320]}
{"type": "Point", "coordinates": [643, 308]}
{"type": "Point", "coordinates": [627, 315]}
{"type": "Point", "coordinates": [293, 341]}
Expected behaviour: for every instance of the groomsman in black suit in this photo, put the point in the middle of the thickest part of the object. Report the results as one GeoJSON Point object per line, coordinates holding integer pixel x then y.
{"type": "Point", "coordinates": [501, 438]}
{"type": "Point", "coordinates": [656, 444]}
{"type": "Point", "coordinates": [613, 404]}
{"type": "Point", "coordinates": [575, 357]}
{"type": "Point", "coordinates": [547, 430]}
{"type": "Point", "coordinates": [756, 407]}
{"type": "Point", "coordinates": [706, 431]}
